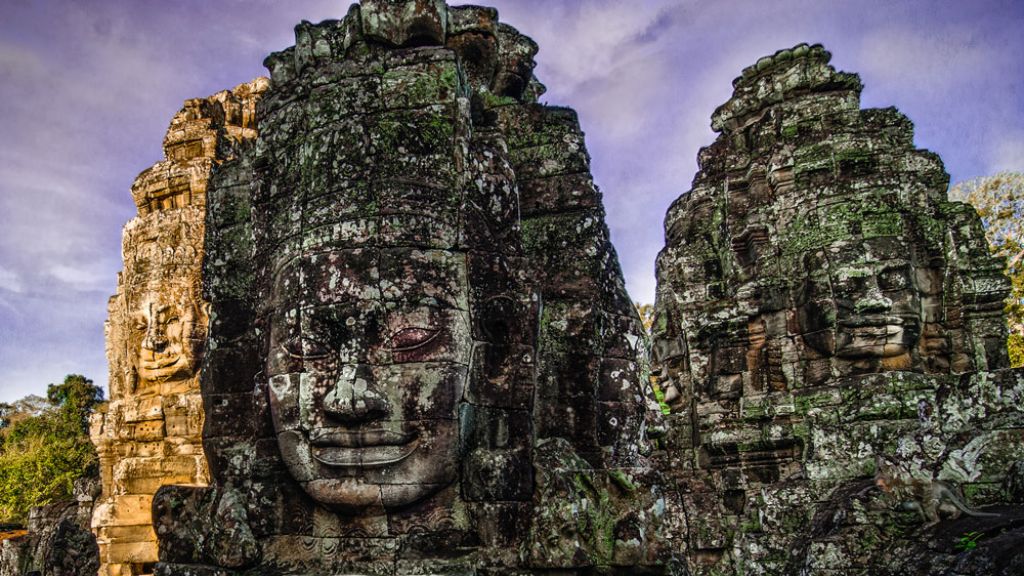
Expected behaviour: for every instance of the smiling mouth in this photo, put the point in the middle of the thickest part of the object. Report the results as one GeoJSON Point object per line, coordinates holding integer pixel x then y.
{"type": "Point", "coordinates": [364, 449]}
{"type": "Point", "coordinates": [159, 363]}
{"type": "Point", "coordinates": [868, 322]}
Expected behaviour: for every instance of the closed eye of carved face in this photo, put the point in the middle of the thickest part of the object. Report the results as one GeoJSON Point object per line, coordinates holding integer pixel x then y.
{"type": "Point", "coordinates": [139, 322]}
{"type": "Point", "coordinates": [895, 278]}
{"type": "Point", "coordinates": [411, 338]}
{"type": "Point", "coordinates": [305, 348]}
{"type": "Point", "coordinates": [406, 343]}
{"type": "Point", "coordinates": [159, 316]}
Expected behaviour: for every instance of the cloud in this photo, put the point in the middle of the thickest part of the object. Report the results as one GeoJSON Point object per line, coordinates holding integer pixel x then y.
{"type": "Point", "coordinates": [926, 60]}
{"type": "Point", "coordinates": [81, 278]}
{"type": "Point", "coordinates": [1007, 153]}
{"type": "Point", "coordinates": [596, 40]}
{"type": "Point", "coordinates": [11, 281]}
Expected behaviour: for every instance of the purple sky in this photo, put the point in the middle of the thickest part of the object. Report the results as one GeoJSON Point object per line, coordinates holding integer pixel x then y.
{"type": "Point", "coordinates": [87, 88]}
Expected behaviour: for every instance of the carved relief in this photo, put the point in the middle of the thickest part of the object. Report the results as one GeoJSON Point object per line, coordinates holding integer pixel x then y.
{"type": "Point", "coordinates": [149, 434]}
{"type": "Point", "coordinates": [811, 312]}
{"type": "Point", "coordinates": [413, 269]}
{"type": "Point", "coordinates": [364, 382]}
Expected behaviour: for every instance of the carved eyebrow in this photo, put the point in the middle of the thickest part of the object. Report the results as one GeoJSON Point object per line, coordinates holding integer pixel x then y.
{"type": "Point", "coordinates": [337, 312]}
{"type": "Point", "coordinates": [424, 301]}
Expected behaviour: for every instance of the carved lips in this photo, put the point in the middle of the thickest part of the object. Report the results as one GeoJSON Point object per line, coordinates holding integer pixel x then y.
{"type": "Point", "coordinates": [156, 364]}
{"type": "Point", "coordinates": [364, 449]}
{"type": "Point", "coordinates": [880, 336]}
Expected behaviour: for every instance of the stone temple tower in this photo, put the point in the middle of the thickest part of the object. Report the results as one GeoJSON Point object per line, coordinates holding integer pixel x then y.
{"type": "Point", "coordinates": [150, 433]}
{"type": "Point", "coordinates": [823, 309]}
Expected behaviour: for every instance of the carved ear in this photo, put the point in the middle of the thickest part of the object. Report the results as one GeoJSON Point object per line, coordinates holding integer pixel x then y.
{"type": "Point", "coordinates": [495, 319]}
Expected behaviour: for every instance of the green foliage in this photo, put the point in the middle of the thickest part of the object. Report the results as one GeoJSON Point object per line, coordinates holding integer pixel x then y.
{"type": "Point", "coordinates": [659, 395]}
{"type": "Point", "coordinates": [999, 200]}
{"type": "Point", "coordinates": [75, 397]}
{"type": "Point", "coordinates": [45, 448]}
{"type": "Point", "coordinates": [969, 541]}
{"type": "Point", "coordinates": [1015, 346]}
{"type": "Point", "coordinates": [646, 312]}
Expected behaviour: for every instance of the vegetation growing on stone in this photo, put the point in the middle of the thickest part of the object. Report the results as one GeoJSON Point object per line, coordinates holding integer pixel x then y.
{"type": "Point", "coordinates": [389, 335]}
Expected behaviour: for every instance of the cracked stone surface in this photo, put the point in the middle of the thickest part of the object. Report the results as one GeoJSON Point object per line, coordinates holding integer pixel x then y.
{"type": "Point", "coordinates": [421, 354]}
{"type": "Point", "coordinates": [371, 322]}
{"type": "Point", "coordinates": [821, 306]}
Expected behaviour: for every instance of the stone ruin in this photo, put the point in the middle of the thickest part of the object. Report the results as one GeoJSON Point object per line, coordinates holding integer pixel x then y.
{"type": "Point", "coordinates": [389, 335]}
{"type": "Point", "coordinates": [57, 541]}
{"type": "Point", "coordinates": [150, 433]}
{"type": "Point", "coordinates": [421, 356]}
{"type": "Point", "coordinates": [822, 312]}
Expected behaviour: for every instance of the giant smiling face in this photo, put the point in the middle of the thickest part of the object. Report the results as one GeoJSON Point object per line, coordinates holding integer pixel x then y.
{"type": "Point", "coordinates": [368, 355]}
{"type": "Point", "coordinates": [165, 336]}
{"type": "Point", "coordinates": [860, 301]}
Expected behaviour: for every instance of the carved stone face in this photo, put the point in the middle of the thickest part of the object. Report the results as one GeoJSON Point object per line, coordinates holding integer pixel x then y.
{"type": "Point", "coordinates": [368, 355]}
{"type": "Point", "coordinates": [162, 341]}
{"type": "Point", "coordinates": [860, 301]}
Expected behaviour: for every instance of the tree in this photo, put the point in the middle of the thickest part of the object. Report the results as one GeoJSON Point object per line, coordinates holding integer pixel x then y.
{"type": "Point", "coordinates": [45, 446]}
{"type": "Point", "coordinates": [12, 413]}
{"type": "Point", "coordinates": [646, 312]}
{"type": "Point", "coordinates": [77, 396]}
{"type": "Point", "coordinates": [999, 200]}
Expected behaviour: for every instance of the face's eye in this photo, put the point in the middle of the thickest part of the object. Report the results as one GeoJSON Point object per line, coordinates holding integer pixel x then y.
{"type": "Point", "coordinates": [301, 348]}
{"type": "Point", "coordinates": [408, 339]}
{"type": "Point", "coordinates": [140, 323]}
{"type": "Point", "coordinates": [893, 280]}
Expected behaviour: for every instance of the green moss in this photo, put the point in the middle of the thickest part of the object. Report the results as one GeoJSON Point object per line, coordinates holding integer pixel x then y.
{"type": "Point", "coordinates": [972, 491]}
{"type": "Point", "coordinates": [449, 78]}
{"type": "Point", "coordinates": [812, 159]}
{"type": "Point", "coordinates": [596, 520]}
{"type": "Point", "coordinates": [415, 133]}
{"type": "Point", "coordinates": [492, 100]}
{"type": "Point", "coordinates": [880, 224]}
{"type": "Point", "coordinates": [622, 480]}
{"type": "Point", "coordinates": [802, 234]}
{"type": "Point", "coordinates": [751, 524]}
{"type": "Point", "coordinates": [1015, 348]}
{"type": "Point", "coordinates": [418, 86]}
{"type": "Point", "coordinates": [853, 155]}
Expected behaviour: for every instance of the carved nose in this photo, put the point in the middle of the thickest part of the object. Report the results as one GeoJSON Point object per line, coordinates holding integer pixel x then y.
{"type": "Point", "coordinates": [354, 398]}
{"type": "Point", "coordinates": [873, 301]}
{"type": "Point", "coordinates": [155, 339]}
